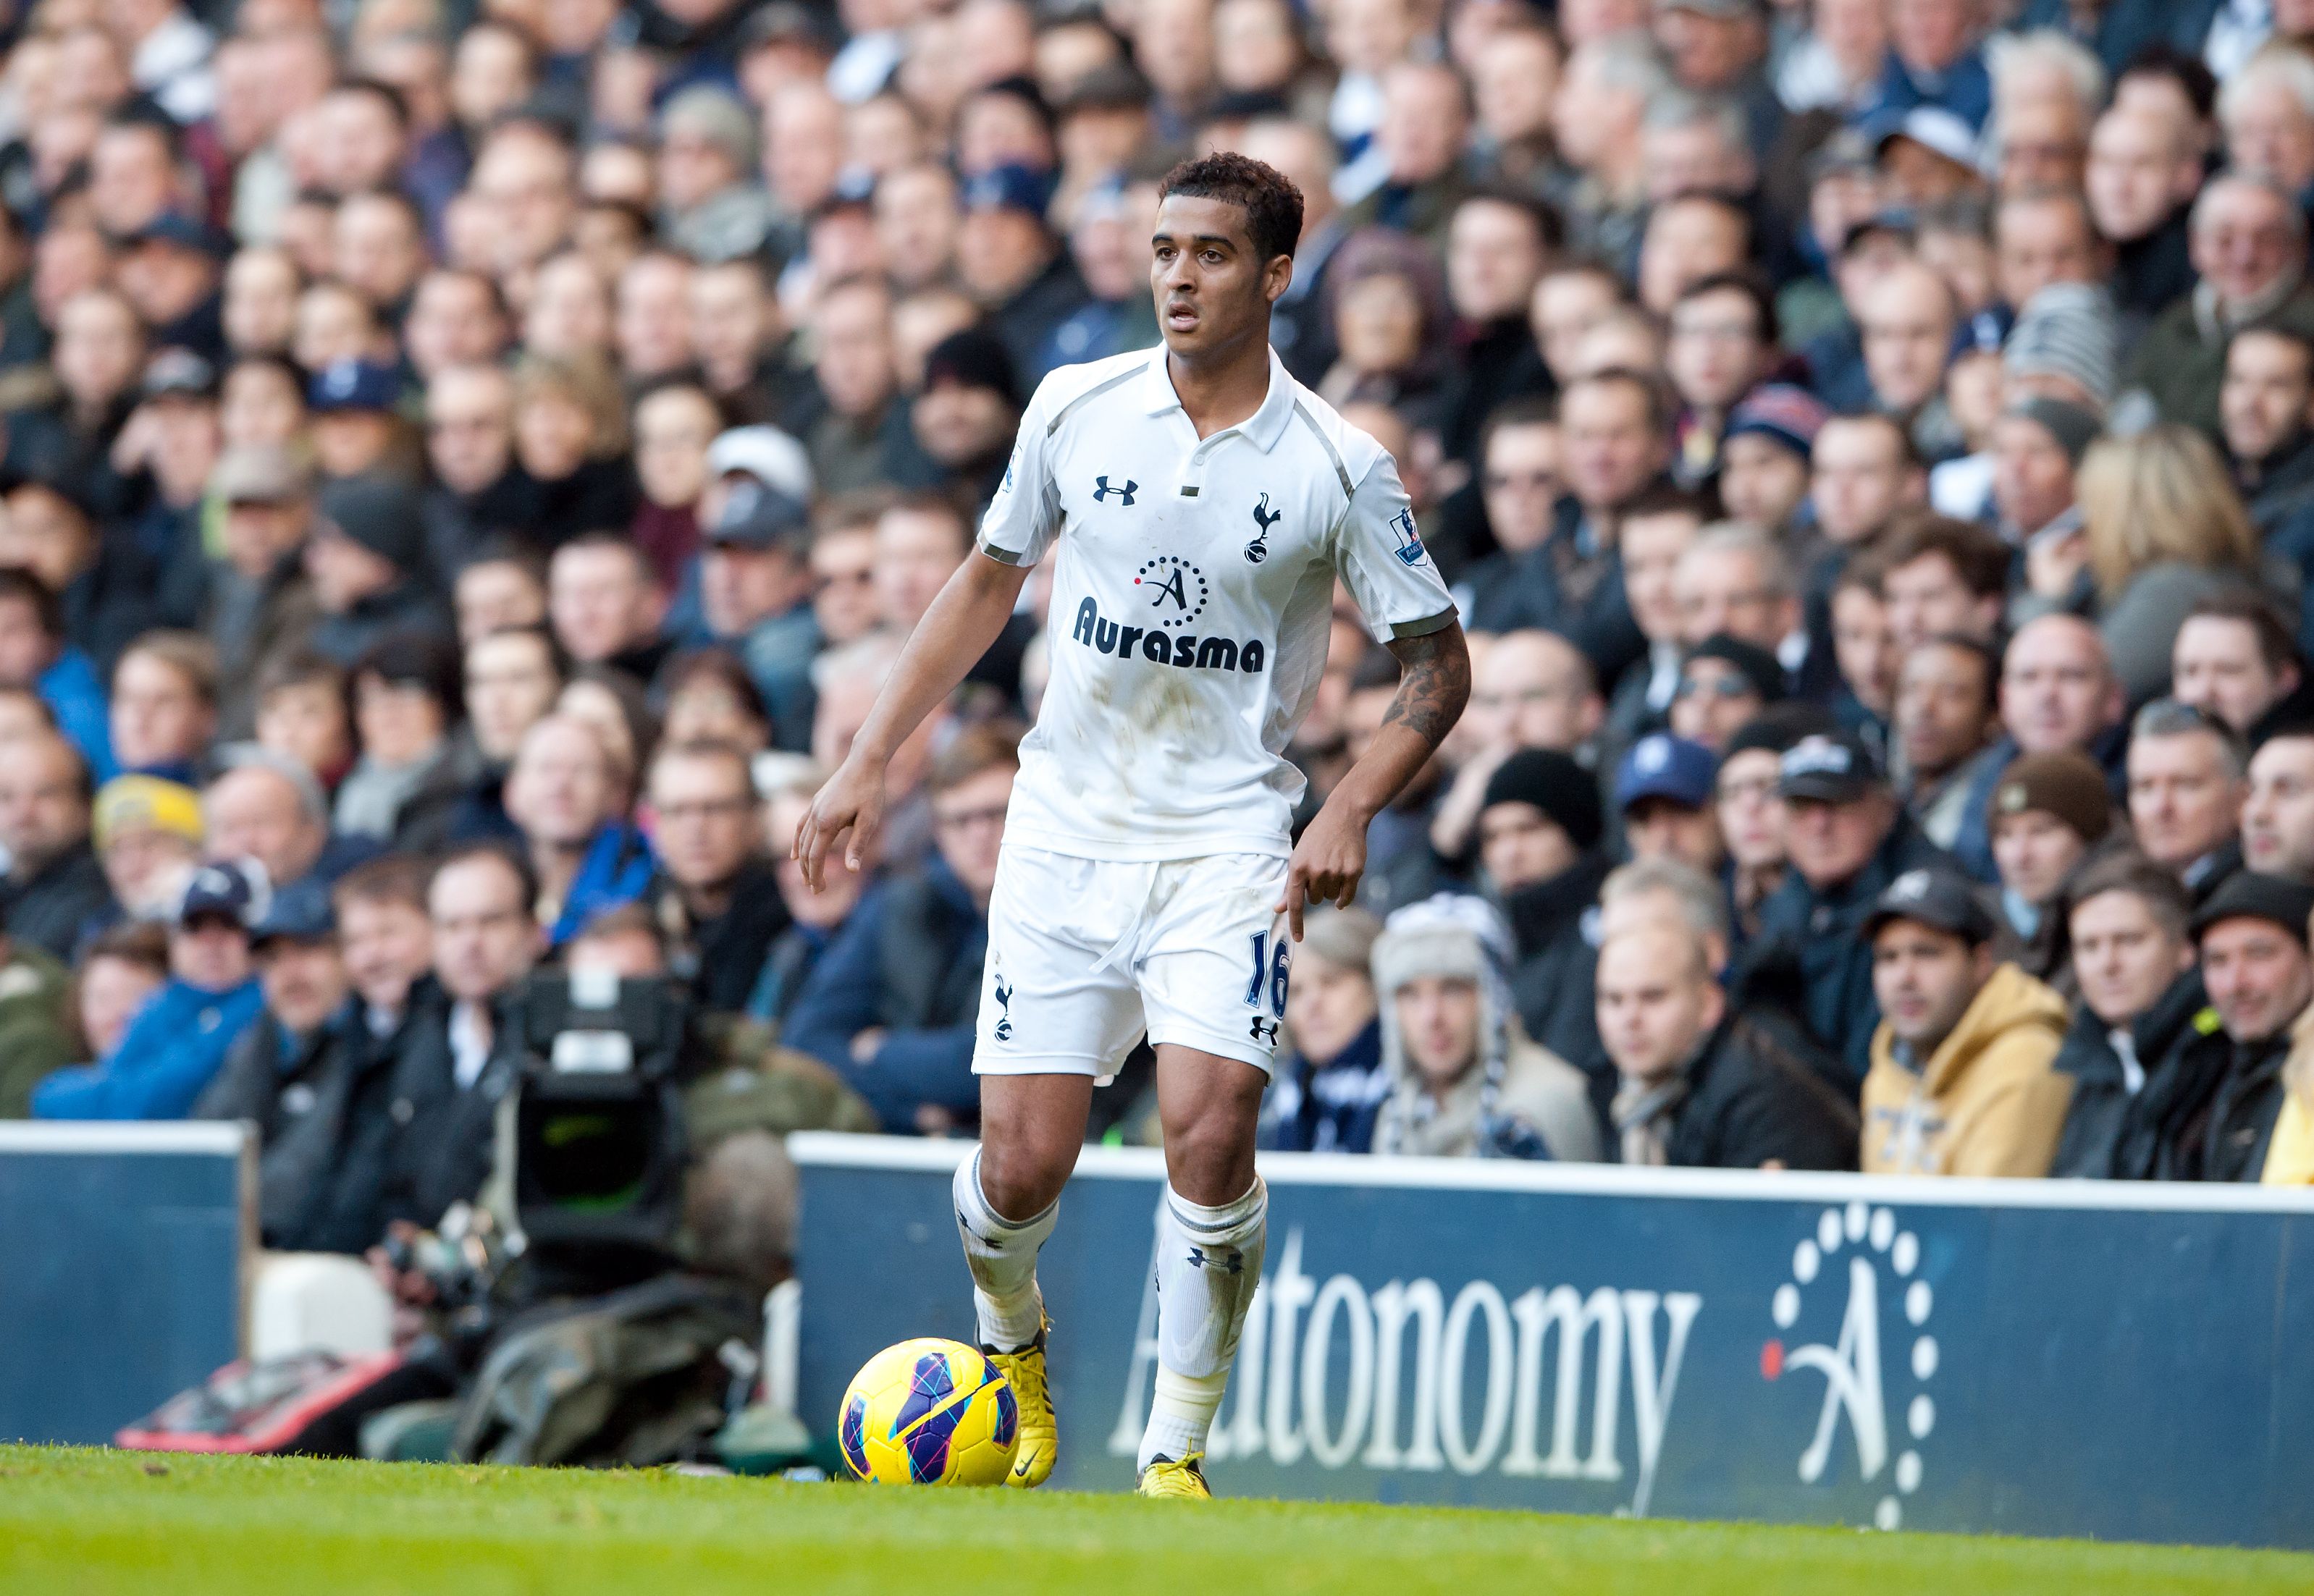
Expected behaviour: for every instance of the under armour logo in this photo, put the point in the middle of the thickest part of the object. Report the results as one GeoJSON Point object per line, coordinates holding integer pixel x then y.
{"type": "Point", "coordinates": [1228, 1260]}
{"type": "Point", "coordinates": [1100, 493]}
{"type": "Point", "coordinates": [1263, 1030]}
{"type": "Point", "coordinates": [1264, 518]}
{"type": "Point", "coordinates": [1004, 1003]}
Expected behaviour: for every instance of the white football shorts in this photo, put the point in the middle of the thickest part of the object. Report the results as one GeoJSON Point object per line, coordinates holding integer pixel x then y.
{"type": "Point", "coordinates": [1086, 954]}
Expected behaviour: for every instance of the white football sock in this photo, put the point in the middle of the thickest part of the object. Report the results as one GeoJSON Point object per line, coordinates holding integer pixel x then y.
{"type": "Point", "coordinates": [1002, 1254]}
{"type": "Point", "coordinates": [1206, 1272]}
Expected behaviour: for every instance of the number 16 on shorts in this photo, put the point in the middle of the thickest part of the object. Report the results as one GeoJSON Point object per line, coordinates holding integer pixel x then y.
{"type": "Point", "coordinates": [1271, 972]}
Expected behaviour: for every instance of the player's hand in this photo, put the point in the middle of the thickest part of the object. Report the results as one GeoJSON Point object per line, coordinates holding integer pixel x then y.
{"type": "Point", "coordinates": [1326, 865]}
{"type": "Point", "coordinates": [853, 801]}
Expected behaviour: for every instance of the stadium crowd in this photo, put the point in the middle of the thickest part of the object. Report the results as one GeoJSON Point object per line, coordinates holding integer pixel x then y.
{"type": "Point", "coordinates": [468, 470]}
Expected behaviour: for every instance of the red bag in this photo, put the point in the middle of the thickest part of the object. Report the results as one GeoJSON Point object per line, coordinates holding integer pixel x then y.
{"type": "Point", "coordinates": [310, 1403]}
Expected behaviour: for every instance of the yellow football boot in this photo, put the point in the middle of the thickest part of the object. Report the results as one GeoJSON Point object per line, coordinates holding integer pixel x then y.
{"type": "Point", "coordinates": [1024, 1371]}
{"type": "Point", "coordinates": [1165, 1477]}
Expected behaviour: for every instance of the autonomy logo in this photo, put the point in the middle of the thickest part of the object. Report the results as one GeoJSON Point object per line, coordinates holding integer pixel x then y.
{"type": "Point", "coordinates": [1854, 1388]}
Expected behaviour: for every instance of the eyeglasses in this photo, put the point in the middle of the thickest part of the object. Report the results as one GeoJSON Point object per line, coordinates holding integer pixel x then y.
{"type": "Point", "coordinates": [707, 809]}
{"type": "Point", "coordinates": [1716, 687]}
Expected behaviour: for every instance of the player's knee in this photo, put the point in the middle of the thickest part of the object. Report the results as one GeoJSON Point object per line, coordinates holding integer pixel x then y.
{"type": "Point", "coordinates": [1209, 1161]}
{"type": "Point", "coordinates": [1021, 1177]}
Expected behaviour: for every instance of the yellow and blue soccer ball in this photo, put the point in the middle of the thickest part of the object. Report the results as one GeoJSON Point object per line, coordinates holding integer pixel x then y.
{"type": "Point", "coordinates": [929, 1412]}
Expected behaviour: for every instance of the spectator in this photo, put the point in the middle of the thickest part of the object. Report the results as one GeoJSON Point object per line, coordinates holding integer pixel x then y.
{"type": "Point", "coordinates": [814, 918]}
{"type": "Point", "coordinates": [1748, 802]}
{"type": "Point", "coordinates": [34, 655]}
{"type": "Point", "coordinates": [1329, 1086]}
{"type": "Point", "coordinates": [118, 970]}
{"type": "Point", "coordinates": [304, 715]}
{"type": "Point", "coordinates": [2037, 446]}
{"type": "Point", "coordinates": [2143, 172]}
{"type": "Point", "coordinates": [1733, 580]}
{"type": "Point", "coordinates": [269, 808]}
{"type": "Point", "coordinates": [454, 1058]}
{"type": "Point", "coordinates": [715, 898]}
{"type": "Point", "coordinates": [292, 1071]}
{"type": "Point", "coordinates": [569, 794]}
{"type": "Point", "coordinates": [1658, 530]}
{"type": "Point", "coordinates": [2252, 937]}
{"type": "Point", "coordinates": [2266, 405]}
{"type": "Point", "coordinates": [1539, 836]}
{"type": "Point", "coordinates": [2277, 817]}
{"type": "Point", "coordinates": [1664, 793]}
{"type": "Point", "coordinates": [2234, 660]}
{"type": "Point", "coordinates": [256, 600]}
{"type": "Point", "coordinates": [56, 888]}
{"type": "Point", "coordinates": [2049, 812]}
{"type": "Point", "coordinates": [512, 678]}
{"type": "Point", "coordinates": [2188, 780]}
{"type": "Point", "coordinates": [1847, 839]}
{"type": "Point", "coordinates": [148, 836]}
{"type": "Point", "coordinates": [1465, 1080]}
{"type": "Point", "coordinates": [1724, 683]}
{"type": "Point", "coordinates": [2161, 531]}
{"type": "Point", "coordinates": [1944, 717]}
{"type": "Point", "coordinates": [1942, 577]}
{"type": "Point", "coordinates": [756, 598]}
{"type": "Point", "coordinates": [178, 1041]}
{"type": "Point", "coordinates": [2140, 1000]}
{"type": "Point", "coordinates": [107, 585]}
{"type": "Point", "coordinates": [1961, 1081]}
{"type": "Point", "coordinates": [365, 560]}
{"type": "Point", "coordinates": [1703, 1087]}
{"type": "Point", "coordinates": [1764, 478]}
{"type": "Point", "coordinates": [892, 1002]}
{"type": "Point", "coordinates": [606, 605]}
{"type": "Point", "coordinates": [402, 791]}
{"type": "Point", "coordinates": [2248, 242]}
{"type": "Point", "coordinates": [1528, 690]}
{"type": "Point", "coordinates": [165, 705]}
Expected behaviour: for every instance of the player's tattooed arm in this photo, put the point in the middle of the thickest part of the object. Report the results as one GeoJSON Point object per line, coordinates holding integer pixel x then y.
{"type": "Point", "coordinates": [1331, 855]}
{"type": "Point", "coordinates": [1434, 685]}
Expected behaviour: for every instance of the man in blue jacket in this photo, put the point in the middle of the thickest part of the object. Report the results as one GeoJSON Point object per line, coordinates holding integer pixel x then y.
{"type": "Point", "coordinates": [892, 1002]}
{"type": "Point", "coordinates": [1848, 838]}
{"type": "Point", "coordinates": [178, 1039]}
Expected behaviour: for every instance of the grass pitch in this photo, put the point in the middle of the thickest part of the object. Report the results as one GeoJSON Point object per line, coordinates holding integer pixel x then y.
{"type": "Point", "coordinates": [85, 1524]}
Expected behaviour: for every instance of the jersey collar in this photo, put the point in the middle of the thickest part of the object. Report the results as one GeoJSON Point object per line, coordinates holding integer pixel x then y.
{"type": "Point", "coordinates": [1263, 428]}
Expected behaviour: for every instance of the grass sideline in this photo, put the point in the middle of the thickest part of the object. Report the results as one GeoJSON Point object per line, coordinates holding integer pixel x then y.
{"type": "Point", "coordinates": [89, 1522]}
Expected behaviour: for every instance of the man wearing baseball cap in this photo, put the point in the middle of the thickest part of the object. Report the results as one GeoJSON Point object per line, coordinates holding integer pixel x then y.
{"type": "Point", "coordinates": [2228, 1091]}
{"type": "Point", "coordinates": [293, 1069]}
{"type": "Point", "coordinates": [754, 597]}
{"type": "Point", "coordinates": [178, 1041]}
{"type": "Point", "coordinates": [1961, 1083]}
{"type": "Point", "coordinates": [1008, 260]}
{"type": "Point", "coordinates": [1663, 791]}
{"type": "Point", "coordinates": [1847, 838]}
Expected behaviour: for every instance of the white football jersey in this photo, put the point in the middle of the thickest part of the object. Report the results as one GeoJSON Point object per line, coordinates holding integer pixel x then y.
{"type": "Point", "coordinates": [1192, 603]}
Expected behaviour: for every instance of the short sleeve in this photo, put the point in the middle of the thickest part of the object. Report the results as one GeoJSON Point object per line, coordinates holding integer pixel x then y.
{"type": "Point", "coordinates": [1379, 553]}
{"type": "Point", "coordinates": [1026, 512]}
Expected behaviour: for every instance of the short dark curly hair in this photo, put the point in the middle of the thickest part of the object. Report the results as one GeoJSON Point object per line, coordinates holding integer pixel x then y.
{"type": "Point", "coordinates": [1272, 204]}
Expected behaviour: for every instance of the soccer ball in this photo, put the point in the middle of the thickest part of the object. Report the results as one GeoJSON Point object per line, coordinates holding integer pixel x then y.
{"type": "Point", "coordinates": [929, 1413]}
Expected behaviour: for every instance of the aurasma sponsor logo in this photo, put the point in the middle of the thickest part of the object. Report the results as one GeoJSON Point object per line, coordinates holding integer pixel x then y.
{"type": "Point", "coordinates": [1097, 632]}
{"type": "Point", "coordinates": [1406, 1395]}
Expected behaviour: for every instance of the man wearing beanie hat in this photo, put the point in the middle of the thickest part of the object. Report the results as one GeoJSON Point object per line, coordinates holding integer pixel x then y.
{"type": "Point", "coordinates": [2216, 1118]}
{"type": "Point", "coordinates": [1465, 1080]}
{"type": "Point", "coordinates": [2048, 810]}
{"type": "Point", "coordinates": [2038, 445]}
{"type": "Point", "coordinates": [1961, 1083]}
{"type": "Point", "coordinates": [364, 557]}
{"type": "Point", "coordinates": [1325, 1094]}
{"type": "Point", "coordinates": [1764, 459]}
{"type": "Point", "coordinates": [965, 414]}
{"type": "Point", "coordinates": [1539, 834]}
{"type": "Point", "coordinates": [148, 835]}
{"type": "Point", "coordinates": [710, 208]}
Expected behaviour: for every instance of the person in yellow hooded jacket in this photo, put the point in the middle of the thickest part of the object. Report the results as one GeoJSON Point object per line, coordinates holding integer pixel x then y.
{"type": "Point", "coordinates": [1961, 1081]}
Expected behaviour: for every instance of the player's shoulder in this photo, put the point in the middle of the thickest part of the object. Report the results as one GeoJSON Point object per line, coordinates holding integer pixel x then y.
{"type": "Point", "coordinates": [1068, 389]}
{"type": "Point", "coordinates": [1350, 450]}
